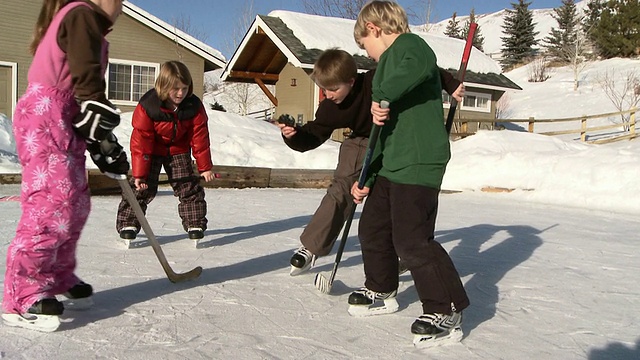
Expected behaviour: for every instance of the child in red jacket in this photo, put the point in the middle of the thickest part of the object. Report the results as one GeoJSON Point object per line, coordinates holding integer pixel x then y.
{"type": "Point", "coordinates": [168, 124]}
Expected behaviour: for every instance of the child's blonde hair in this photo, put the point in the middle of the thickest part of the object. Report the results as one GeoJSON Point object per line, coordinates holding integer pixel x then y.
{"type": "Point", "coordinates": [170, 73]}
{"type": "Point", "coordinates": [387, 15]}
{"type": "Point", "coordinates": [334, 67]}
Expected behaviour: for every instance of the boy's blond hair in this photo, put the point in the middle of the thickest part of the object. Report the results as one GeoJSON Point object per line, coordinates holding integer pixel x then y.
{"type": "Point", "coordinates": [334, 67]}
{"type": "Point", "coordinates": [387, 15]}
{"type": "Point", "coordinates": [170, 73]}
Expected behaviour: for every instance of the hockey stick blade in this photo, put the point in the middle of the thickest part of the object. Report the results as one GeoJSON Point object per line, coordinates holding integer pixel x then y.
{"type": "Point", "coordinates": [131, 199]}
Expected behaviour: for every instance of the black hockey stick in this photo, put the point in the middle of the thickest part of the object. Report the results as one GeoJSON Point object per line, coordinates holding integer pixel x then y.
{"type": "Point", "coordinates": [322, 283]}
{"type": "Point", "coordinates": [131, 198]}
{"type": "Point", "coordinates": [461, 72]}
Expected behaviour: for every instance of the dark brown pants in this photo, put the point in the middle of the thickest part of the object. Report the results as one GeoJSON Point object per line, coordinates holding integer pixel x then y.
{"type": "Point", "coordinates": [192, 207]}
{"type": "Point", "coordinates": [325, 225]}
{"type": "Point", "coordinates": [398, 220]}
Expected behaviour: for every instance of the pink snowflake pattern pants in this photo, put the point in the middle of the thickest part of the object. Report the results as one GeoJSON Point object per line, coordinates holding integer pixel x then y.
{"type": "Point", "coordinates": [54, 197]}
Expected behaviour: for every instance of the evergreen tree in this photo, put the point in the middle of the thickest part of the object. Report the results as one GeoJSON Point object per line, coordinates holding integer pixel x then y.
{"type": "Point", "coordinates": [478, 39]}
{"type": "Point", "coordinates": [562, 40]}
{"type": "Point", "coordinates": [453, 27]}
{"type": "Point", "coordinates": [520, 33]}
{"type": "Point", "coordinates": [613, 27]}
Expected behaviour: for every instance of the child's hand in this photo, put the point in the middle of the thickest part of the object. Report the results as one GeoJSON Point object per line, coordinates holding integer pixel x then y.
{"type": "Point", "coordinates": [459, 93]}
{"type": "Point", "coordinates": [379, 114]}
{"type": "Point", "coordinates": [208, 175]}
{"type": "Point", "coordinates": [358, 194]}
{"type": "Point", "coordinates": [287, 131]}
{"type": "Point", "coordinates": [140, 184]}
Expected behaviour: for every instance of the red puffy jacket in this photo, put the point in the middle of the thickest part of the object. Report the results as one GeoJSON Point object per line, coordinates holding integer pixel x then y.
{"type": "Point", "coordinates": [162, 132]}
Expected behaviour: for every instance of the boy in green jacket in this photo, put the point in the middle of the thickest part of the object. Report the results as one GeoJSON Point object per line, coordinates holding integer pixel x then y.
{"type": "Point", "coordinates": [398, 219]}
{"type": "Point", "coordinates": [347, 104]}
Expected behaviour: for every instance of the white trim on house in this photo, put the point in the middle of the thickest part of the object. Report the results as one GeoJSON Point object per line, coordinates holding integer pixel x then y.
{"type": "Point", "coordinates": [174, 34]}
{"type": "Point", "coordinates": [14, 84]}
{"type": "Point", "coordinates": [132, 63]}
{"type": "Point", "coordinates": [487, 87]}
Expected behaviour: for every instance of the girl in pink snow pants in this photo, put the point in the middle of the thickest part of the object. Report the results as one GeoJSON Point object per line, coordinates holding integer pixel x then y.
{"type": "Point", "coordinates": [65, 78]}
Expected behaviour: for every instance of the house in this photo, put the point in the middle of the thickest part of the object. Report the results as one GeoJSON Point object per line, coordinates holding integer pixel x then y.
{"type": "Point", "coordinates": [280, 49]}
{"type": "Point", "coordinates": [139, 43]}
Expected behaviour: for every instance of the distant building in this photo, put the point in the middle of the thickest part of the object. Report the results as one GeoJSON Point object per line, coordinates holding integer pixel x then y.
{"type": "Point", "coordinates": [280, 49]}
{"type": "Point", "coordinates": [139, 43]}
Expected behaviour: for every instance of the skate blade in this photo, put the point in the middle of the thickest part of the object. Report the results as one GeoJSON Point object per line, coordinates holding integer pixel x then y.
{"type": "Point", "coordinates": [429, 341]}
{"type": "Point", "coordinates": [44, 323]}
{"type": "Point", "coordinates": [390, 306]}
{"type": "Point", "coordinates": [77, 304]}
{"type": "Point", "coordinates": [295, 271]}
{"type": "Point", "coordinates": [126, 243]}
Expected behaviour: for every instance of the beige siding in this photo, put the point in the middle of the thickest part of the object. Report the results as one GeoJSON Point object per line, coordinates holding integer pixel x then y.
{"type": "Point", "coordinates": [129, 40]}
{"type": "Point", "coordinates": [6, 91]}
{"type": "Point", "coordinates": [133, 41]}
{"type": "Point", "coordinates": [17, 19]}
{"type": "Point", "coordinates": [296, 101]}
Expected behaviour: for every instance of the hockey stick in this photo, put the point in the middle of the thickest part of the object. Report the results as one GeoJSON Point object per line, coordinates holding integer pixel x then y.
{"type": "Point", "coordinates": [322, 283]}
{"type": "Point", "coordinates": [131, 198]}
{"type": "Point", "coordinates": [461, 72]}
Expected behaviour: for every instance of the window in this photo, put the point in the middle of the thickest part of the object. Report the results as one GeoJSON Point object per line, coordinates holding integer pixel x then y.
{"type": "Point", "coordinates": [471, 102]}
{"type": "Point", "coordinates": [476, 102]}
{"type": "Point", "coordinates": [127, 81]}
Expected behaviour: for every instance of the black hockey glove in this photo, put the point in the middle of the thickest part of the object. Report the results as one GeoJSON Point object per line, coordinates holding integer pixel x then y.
{"type": "Point", "coordinates": [109, 156]}
{"type": "Point", "coordinates": [95, 121]}
{"type": "Point", "coordinates": [287, 119]}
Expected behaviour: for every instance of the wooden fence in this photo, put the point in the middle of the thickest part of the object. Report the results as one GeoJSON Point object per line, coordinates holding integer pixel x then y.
{"type": "Point", "coordinates": [628, 132]}
{"type": "Point", "coordinates": [229, 177]}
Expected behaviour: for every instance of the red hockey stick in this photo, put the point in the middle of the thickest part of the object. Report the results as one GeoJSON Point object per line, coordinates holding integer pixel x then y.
{"type": "Point", "coordinates": [461, 71]}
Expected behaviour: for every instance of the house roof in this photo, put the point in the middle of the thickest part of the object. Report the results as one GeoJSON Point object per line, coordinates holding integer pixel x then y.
{"type": "Point", "coordinates": [213, 58]}
{"type": "Point", "coordinates": [284, 36]}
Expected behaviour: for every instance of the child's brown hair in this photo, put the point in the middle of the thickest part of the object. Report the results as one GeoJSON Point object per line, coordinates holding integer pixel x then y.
{"type": "Point", "coordinates": [334, 67]}
{"type": "Point", "coordinates": [387, 15]}
{"type": "Point", "coordinates": [48, 10]}
{"type": "Point", "coordinates": [170, 73]}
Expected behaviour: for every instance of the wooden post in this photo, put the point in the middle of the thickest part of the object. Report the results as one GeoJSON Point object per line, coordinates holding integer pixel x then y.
{"type": "Point", "coordinates": [583, 131]}
{"type": "Point", "coordinates": [464, 128]}
{"type": "Point", "coordinates": [531, 122]}
{"type": "Point", "coordinates": [632, 122]}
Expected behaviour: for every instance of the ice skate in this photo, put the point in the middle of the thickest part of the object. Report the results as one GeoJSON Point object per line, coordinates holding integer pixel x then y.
{"type": "Point", "coordinates": [365, 302]}
{"type": "Point", "coordinates": [301, 261]}
{"type": "Point", "coordinates": [195, 234]}
{"type": "Point", "coordinates": [127, 235]}
{"type": "Point", "coordinates": [41, 316]}
{"type": "Point", "coordinates": [402, 267]}
{"type": "Point", "coordinates": [79, 297]}
{"type": "Point", "coordinates": [437, 329]}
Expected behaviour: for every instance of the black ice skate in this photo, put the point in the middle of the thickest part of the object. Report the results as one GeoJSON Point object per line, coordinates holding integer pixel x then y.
{"type": "Point", "coordinates": [301, 261]}
{"type": "Point", "coordinates": [195, 234]}
{"type": "Point", "coordinates": [437, 329]}
{"type": "Point", "coordinates": [128, 234]}
{"type": "Point", "coordinates": [79, 297]}
{"type": "Point", "coordinates": [365, 302]}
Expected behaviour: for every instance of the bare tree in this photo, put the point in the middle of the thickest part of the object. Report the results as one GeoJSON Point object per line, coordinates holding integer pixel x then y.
{"type": "Point", "coordinates": [623, 93]}
{"type": "Point", "coordinates": [503, 107]}
{"type": "Point", "coordinates": [347, 9]}
{"type": "Point", "coordinates": [183, 22]}
{"type": "Point", "coordinates": [242, 96]}
{"type": "Point", "coordinates": [538, 70]}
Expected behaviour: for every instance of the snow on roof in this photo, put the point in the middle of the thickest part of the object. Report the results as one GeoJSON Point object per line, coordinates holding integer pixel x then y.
{"type": "Point", "coordinates": [322, 32]}
{"type": "Point", "coordinates": [172, 32]}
